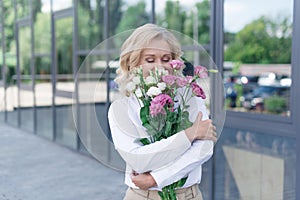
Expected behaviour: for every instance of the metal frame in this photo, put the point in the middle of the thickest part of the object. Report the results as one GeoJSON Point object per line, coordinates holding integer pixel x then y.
{"type": "Point", "coordinates": [18, 61]}
{"type": "Point", "coordinates": [3, 45]}
{"type": "Point", "coordinates": [216, 53]}
{"type": "Point", "coordinates": [295, 95]}
{"type": "Point", "coordinates": [53, 70]}
{"type": "Point", "coordinates": [32, 67]}
{"type": "Point", "coordinates": [75, 68]}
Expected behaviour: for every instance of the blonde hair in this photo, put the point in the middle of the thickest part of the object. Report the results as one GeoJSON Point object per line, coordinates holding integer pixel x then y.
{"type": "Point", "coordinates": [133, 46]}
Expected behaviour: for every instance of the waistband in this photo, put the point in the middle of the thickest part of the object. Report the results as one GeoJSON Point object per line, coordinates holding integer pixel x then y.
{"type": "Point", "coordinates": [181, 193]}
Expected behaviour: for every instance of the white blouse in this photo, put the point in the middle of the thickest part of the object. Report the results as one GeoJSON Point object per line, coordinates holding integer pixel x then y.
{"type": "Point", "coordinates": [167, 160]}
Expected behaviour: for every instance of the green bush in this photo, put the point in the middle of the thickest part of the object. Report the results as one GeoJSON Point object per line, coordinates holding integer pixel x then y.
{"type": "Point", "coordinates": [275, 104]}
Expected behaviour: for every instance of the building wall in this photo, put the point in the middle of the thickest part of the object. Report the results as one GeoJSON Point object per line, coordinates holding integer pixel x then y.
{"type": "Point", "coordinates": [257, 154]}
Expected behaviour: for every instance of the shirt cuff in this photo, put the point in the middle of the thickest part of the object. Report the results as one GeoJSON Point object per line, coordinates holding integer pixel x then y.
{"type": "Point", "coordinates": [182, 135]}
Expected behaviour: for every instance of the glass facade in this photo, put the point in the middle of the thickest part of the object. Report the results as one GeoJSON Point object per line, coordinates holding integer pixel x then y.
{"type": "Point", "coordinates": [257, 56]}
{"type": "Point", "coordinates": [253, 165]}
{"type": "Point", "coordinates": [58, 62]}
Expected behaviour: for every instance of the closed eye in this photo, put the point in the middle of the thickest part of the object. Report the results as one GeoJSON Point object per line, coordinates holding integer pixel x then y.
{"type": "Point", "coordinates": [150, 60]}
{"type": "Point", "coordinates": [166, 59]}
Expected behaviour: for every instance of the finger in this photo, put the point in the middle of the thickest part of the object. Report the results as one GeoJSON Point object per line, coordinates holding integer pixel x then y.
{"type": "Point", "coordinates": [199, 117]}
{"type": "Point", "coordinates": [214, 138]}
{"type": "Point", "coordinates": [215, 134]}
{"type": "Point", "coordinates": [213, 127]}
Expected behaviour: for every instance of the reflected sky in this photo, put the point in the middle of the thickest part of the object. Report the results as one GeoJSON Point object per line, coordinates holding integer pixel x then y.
{"type": "Point", "coordinates": [238, 13]}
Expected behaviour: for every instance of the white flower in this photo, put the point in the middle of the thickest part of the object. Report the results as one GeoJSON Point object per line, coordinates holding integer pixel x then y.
{"type": "Point", "coordinates": [138, 93]}
{"type": "Point", "coordinates": [161, 86]}
{"type": "Point", "coordinates": [130, 87]}
{"type": "Point", "coordinates": [150, 80]}
{"type": "Point", "coordinates": [162, 72]}
{"type": "Point", "coordinates": [136, 80]}
{"type": "Point", "coordinates": [153, 91]}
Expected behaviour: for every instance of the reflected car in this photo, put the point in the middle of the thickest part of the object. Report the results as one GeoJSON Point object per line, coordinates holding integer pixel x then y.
{"type": "Point", "coordinates": [255, 99]}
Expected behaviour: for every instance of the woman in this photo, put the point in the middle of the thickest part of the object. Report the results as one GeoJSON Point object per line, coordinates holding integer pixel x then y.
{"type": "Point", "coordinates": [149, 168]}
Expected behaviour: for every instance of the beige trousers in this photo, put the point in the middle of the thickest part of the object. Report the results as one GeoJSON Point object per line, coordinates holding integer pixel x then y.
{"type": "Point", "coordinates": [189, 193]}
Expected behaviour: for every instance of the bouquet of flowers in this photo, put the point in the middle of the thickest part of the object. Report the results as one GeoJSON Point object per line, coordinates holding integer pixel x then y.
{"type": "Point", "coordinates": [164, 98]}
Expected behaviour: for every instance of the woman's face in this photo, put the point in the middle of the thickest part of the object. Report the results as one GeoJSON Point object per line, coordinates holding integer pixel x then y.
{"type": "Point", "coordinates": [156, 55]}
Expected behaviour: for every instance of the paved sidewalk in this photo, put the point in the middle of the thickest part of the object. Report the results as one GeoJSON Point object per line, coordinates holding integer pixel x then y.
{"type": "Point", "coordinates": [33, 168]}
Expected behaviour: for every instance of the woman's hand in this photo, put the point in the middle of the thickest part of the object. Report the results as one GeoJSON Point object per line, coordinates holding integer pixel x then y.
{"type": "Point", "coordinates": [144, 181]}
{"type": "Point", "coordinates": [201, 130]}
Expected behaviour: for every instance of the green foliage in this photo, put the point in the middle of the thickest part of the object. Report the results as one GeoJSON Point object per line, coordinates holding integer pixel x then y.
{"type": "Point", "coordinates": [236, 68]}
{"type": "Point", "coordinates": [203, 18]}
{"type": "Point", "coordinates": [42, 33]}
{"type": "Point", "coordinates": [275, 104]}
{"type": "Point", "coordinates": [9, 23]}
{"type": "Point", "coordinates": [91, 22]}
{"type": "Point", "coordinates": [63, 36]}
{"type": "Point", "coordinates": [185, 122]}
{"type": "Point", "coordinates": [9, 16]}
{"type": "Point", "coordinates": [261, 41]}
{"type": "Point", "coordinates": [168, 192]}
{"type": "Point", "coordinates": [133, 17]}
{"type": "Point", "coordinates": [25, 50]}
{"type": "Point", "coordinates": [174, 16]}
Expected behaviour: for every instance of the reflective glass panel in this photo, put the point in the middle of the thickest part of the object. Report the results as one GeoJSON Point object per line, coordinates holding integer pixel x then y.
{"type": "Point", "coordinates": [191, 18]}
{"type": "Point", "coordinates": [26, 90]}
{"type": "Point", "coordinates": [2, 82]}
{"type": "Point", "coordinates": [257, 56]}
{"type": "Point", "coordinates": [133, 14]}
{"type": "Point", "coordinates": [90, 24]}
{"type": "Point", "coordinates": [43, 84]}
{"type": "Point", "coordinates": [65, 127]}
{"type": "Point", "coordinates": [253, 165]}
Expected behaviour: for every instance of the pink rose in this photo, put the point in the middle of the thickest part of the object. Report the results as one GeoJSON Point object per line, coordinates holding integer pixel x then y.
{"type": "Point", "coordinates": [197, 90]}
{"type": "Point", "coordinates": [169, 79]}
{"type": "Point", "coordinates": [201, 71]}
{"type": "Point", "coordinates": [158, 104]}
{"type": "Point", "coordinates": [176, 64]}
{"type": "Point", "coordinates": [189, 79]}
{"type": "Point", "coordinates": [181, 81]}
{"type": "Point", "coordinates": [156, 109]}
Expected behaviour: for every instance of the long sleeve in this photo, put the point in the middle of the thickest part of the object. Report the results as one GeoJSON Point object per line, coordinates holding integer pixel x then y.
{"type": "Point", "coordinates": [142, 158]}
{"type": "Point", "coordinates": [199, 153]}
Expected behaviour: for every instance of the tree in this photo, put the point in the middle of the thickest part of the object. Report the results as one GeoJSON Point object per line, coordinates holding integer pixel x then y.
{"type": "Point", "coordinates": [203, 18]}
{"type": "Point", "coordinates": [133, 17]}
{"type": "Point", "coordinates": [262, 41]}
{"type": "Point", "coordinates": [174, 17]}
{"type": "Point", "coordinates": [9, 16]}
{"type": "Point", "coordinates": [91, 21]}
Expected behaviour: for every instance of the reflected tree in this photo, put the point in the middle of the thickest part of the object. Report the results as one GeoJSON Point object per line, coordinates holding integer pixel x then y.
{"type": "Point", "coordinates": [262, 41]}
{"type": "Point", "coordinates": [133, 17]}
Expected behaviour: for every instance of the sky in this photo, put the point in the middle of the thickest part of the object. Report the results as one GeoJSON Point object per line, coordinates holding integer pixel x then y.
{"type": "Point", "coordinates": [237, 13]}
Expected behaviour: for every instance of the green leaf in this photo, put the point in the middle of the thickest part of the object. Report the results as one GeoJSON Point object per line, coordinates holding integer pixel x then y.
{"type": "Point", "coordinates": [168, 129]}
{"type": "Point", "coordinates": [145, 141]}
{"type": "Point", "coordinates": [144, 113]}
{"type": "Point", "coordinates": [150, 129]}
{"type": "Point", "coordinates": [160, 193]}
{"type": "Point", "coordinates": [185, 122]}
{"type": "Point", "coordinates": [181, 182]}
{"type": "Point", "coordinates": [172, 116]}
